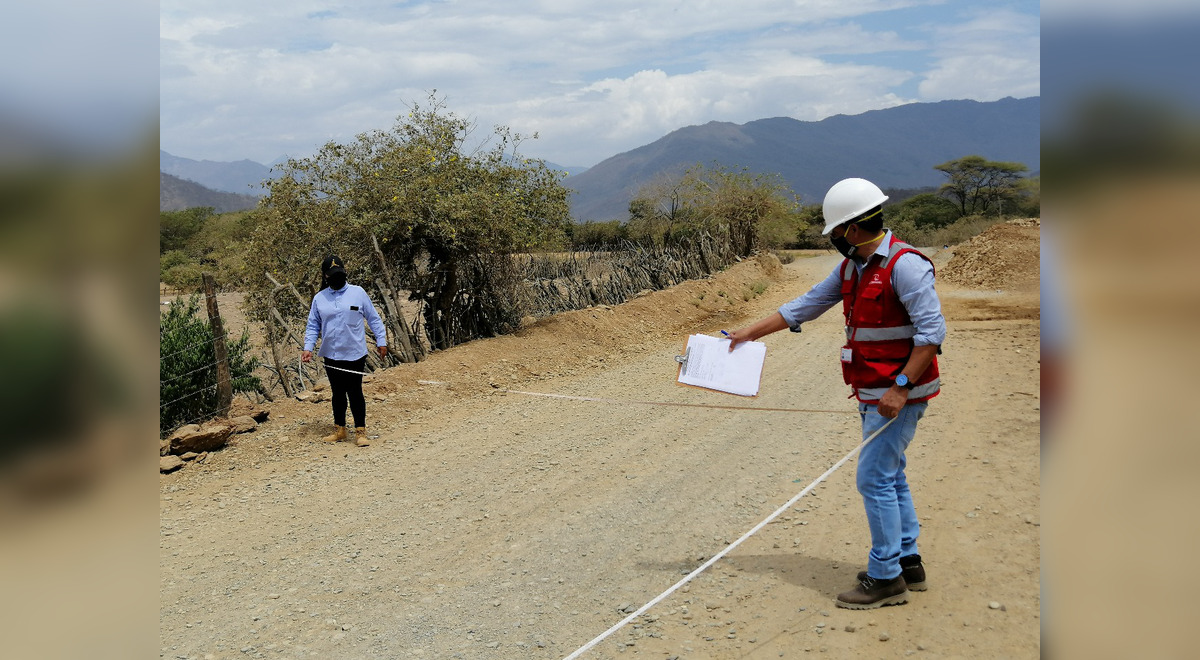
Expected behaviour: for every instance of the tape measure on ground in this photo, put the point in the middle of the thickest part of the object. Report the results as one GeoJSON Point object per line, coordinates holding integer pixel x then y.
{"type": "Point", "coordinates": [673, 403]}
{"type": "Point", "coordinates": [726, 551]}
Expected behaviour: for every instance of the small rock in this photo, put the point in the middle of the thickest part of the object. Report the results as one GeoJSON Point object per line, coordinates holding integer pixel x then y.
{"type": "Point", "coordinates": [243, 424]}
{"type": "Point", "coordinates": [994, 605]}
{"type": "Point", "coordinates": [273, 596]}
{"type": "Point", "coordinates": [193, 438]}
{"type": "Point", "coordinates": [883, 637]}
{"type": "Point", "coordinates": [169, 463]}
{"type": "Point", "coordinates": [850, 627]}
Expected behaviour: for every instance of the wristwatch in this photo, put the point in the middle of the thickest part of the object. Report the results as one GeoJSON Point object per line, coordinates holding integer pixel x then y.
{"type": "Point", "coordinates": [902, 381]}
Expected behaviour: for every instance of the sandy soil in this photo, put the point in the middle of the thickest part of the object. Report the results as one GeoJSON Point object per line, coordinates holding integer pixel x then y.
{"type": "Point", "coordinates": [487, 524]}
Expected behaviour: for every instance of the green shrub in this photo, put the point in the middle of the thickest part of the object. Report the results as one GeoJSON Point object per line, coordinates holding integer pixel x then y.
{"type": "Point", "coordinates": [178, 270]}
{"type": "Point", "coordinates": [187, 390]}
{"type": "Point", "coordinates": [956, 232]}
{"type": "Point", "coordinates": [926, 210]}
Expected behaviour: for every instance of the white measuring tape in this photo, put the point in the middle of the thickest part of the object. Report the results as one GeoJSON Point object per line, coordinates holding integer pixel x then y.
{"type": "Point", "coordinates": [668, 403]}
{"type": "Point", "coordinates": [726, 551]}
{"type": "Point", "coordinates": [349, 371]}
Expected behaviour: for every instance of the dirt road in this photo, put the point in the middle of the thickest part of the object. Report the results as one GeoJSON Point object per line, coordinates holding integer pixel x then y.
{"type": "Point", "coordinates": [484, 524]}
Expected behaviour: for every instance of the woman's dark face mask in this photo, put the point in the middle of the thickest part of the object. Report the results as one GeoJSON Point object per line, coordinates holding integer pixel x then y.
{"type": "Point", "coordinates": [337, 280]}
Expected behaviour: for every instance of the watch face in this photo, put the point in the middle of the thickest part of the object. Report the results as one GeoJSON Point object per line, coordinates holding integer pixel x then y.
{"type": "Point", "coordinates": [902, 380]}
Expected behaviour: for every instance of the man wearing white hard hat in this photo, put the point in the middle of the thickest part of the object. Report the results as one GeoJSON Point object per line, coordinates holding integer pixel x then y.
{"type": "Point", "coordinates": [894, 331]}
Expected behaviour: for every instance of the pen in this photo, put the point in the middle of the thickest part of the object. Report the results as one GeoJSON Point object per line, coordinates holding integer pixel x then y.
{"type": "Point", "coordinates": [725, 333]}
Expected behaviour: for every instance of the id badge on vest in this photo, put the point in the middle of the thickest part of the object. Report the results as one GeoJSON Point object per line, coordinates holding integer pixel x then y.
{"type": "Point", "coordinates": [847, 355]}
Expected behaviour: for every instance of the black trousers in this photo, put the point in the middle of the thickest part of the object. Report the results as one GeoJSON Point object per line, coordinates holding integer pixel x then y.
{"type": "Point", "coordinates": [347, 387]}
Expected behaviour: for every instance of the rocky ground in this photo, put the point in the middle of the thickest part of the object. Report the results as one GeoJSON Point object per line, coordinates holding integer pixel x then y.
{"type": "Point", "coordinates": [482, 523]}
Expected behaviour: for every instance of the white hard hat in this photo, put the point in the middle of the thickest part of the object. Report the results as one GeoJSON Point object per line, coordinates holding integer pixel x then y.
{"type": "Point", "coordinates": [848, 199]}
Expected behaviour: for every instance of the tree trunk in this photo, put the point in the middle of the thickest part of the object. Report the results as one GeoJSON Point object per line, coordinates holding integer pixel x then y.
{"type": "Point", "coordinates": [440, 314]}
{"type": "Point", "coordinates": [224, 383]}
{"type": "Point", "coordinates": [272, 339]}
{"type": "Point", "coordinates": [411, 348]}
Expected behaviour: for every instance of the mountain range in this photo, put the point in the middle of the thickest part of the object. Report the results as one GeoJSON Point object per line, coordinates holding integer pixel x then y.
{"type": "Point", "coordinates": [175, 194]}
{"type": "Point", "coordinates": [895, 148]}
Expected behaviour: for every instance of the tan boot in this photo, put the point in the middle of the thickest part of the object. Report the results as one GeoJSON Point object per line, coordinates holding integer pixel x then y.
{"type": "Point", "coordinates": [360, 436]}
{"type": "Point", "coordinates": [338, 435]}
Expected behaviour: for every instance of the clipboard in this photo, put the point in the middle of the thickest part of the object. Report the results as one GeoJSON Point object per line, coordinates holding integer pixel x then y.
{"type": "Point", "coordinates": [708, 363]}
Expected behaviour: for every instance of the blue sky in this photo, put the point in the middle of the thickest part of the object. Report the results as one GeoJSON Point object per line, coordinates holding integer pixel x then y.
{"type": "Point", "coordinates": [593, 79]}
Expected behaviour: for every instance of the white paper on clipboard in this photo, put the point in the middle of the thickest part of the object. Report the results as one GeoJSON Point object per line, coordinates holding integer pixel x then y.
{"type": "Point", "coordinates": [707, 362]}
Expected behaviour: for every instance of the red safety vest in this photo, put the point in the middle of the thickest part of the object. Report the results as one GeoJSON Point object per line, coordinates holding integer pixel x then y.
{"type": "Point", "coordinates": [878, 330]}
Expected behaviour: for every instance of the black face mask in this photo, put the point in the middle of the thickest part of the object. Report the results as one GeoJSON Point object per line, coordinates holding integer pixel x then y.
{"type": "Point", "coordinates": [337, 281]}
{"type": "Point", "coordinates": [842, 245]}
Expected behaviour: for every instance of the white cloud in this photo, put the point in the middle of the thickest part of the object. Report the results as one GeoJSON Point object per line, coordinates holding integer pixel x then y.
{"type": "Point", "coordinates": [988, 56]}
{"type": "Point", "coordinates": [592, 78]}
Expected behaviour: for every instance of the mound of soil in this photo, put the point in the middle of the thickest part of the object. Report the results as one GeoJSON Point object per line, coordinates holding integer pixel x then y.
{"type": "Point", "coordinates": [1006, 256]}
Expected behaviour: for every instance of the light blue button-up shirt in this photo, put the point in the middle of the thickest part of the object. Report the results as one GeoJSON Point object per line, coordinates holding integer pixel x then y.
{"type": "Point", "coordinates": [912, 280]}
{"type": "Point", "coordinates": [338, 317]}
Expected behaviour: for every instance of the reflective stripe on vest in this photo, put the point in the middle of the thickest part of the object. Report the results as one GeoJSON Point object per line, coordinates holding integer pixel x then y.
{"type": "Point", "coordinates": [881, 334]}
{"type": "Point", "coordinates": [918, 392]}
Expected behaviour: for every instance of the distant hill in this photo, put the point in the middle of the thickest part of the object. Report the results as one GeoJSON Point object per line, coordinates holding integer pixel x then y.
{"type": "Point", "coordinates": [571, 170]}
{"type": "Point", "coordinates": [894, 148]}
{"type": "Point", "coordinates": [243, 177]}
{"type": "Point", "coordinates": [175, 194]}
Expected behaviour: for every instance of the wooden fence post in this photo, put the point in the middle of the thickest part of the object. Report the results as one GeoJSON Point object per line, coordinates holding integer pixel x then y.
{"type": "Point", "coordinates": [224, 383]}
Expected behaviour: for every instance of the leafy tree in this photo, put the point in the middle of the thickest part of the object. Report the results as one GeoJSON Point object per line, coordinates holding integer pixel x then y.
{"type": "Point", "coordinates": [658, 215]}
{"type": "Point", "coordinates": [176, 268]}
{"type": "Point", "coordinates": [751, 212]}
{"type": "Point", "coordinates": [175, 228]}
{"type": "Point", "coordinates": [925, 210]}
{"type": "Point", "coordinates": [196, 239]}
{"type": "Point", "coordinates": [594, 234]}
{"type": "Point", "coordinates": [980, 186]}
{"type": "Point", "coordinates": [1029, 204]}
{"type": "Point", "coordinates": [810, 222]}
{"type": "Point", "coordinates": [187, 389]}
{"type": "Point", "coordinates": [758, 211]}
{"type": "Point", "coordinates": [447, 215]}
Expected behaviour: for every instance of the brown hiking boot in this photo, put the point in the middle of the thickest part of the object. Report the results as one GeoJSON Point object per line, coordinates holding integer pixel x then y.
{"type": "Point", "coordinates": [360, 436]}
{"type": "Point", "coordinates": [912, 570]}
{"type": "Point", "coordinates": [339, 434]}
{"type": "Point", "coordinates": [871, 593]}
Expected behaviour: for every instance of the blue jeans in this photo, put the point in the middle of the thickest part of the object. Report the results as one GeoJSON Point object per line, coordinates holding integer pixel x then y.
{"type": "Point", "coordinates": [884, 488]}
